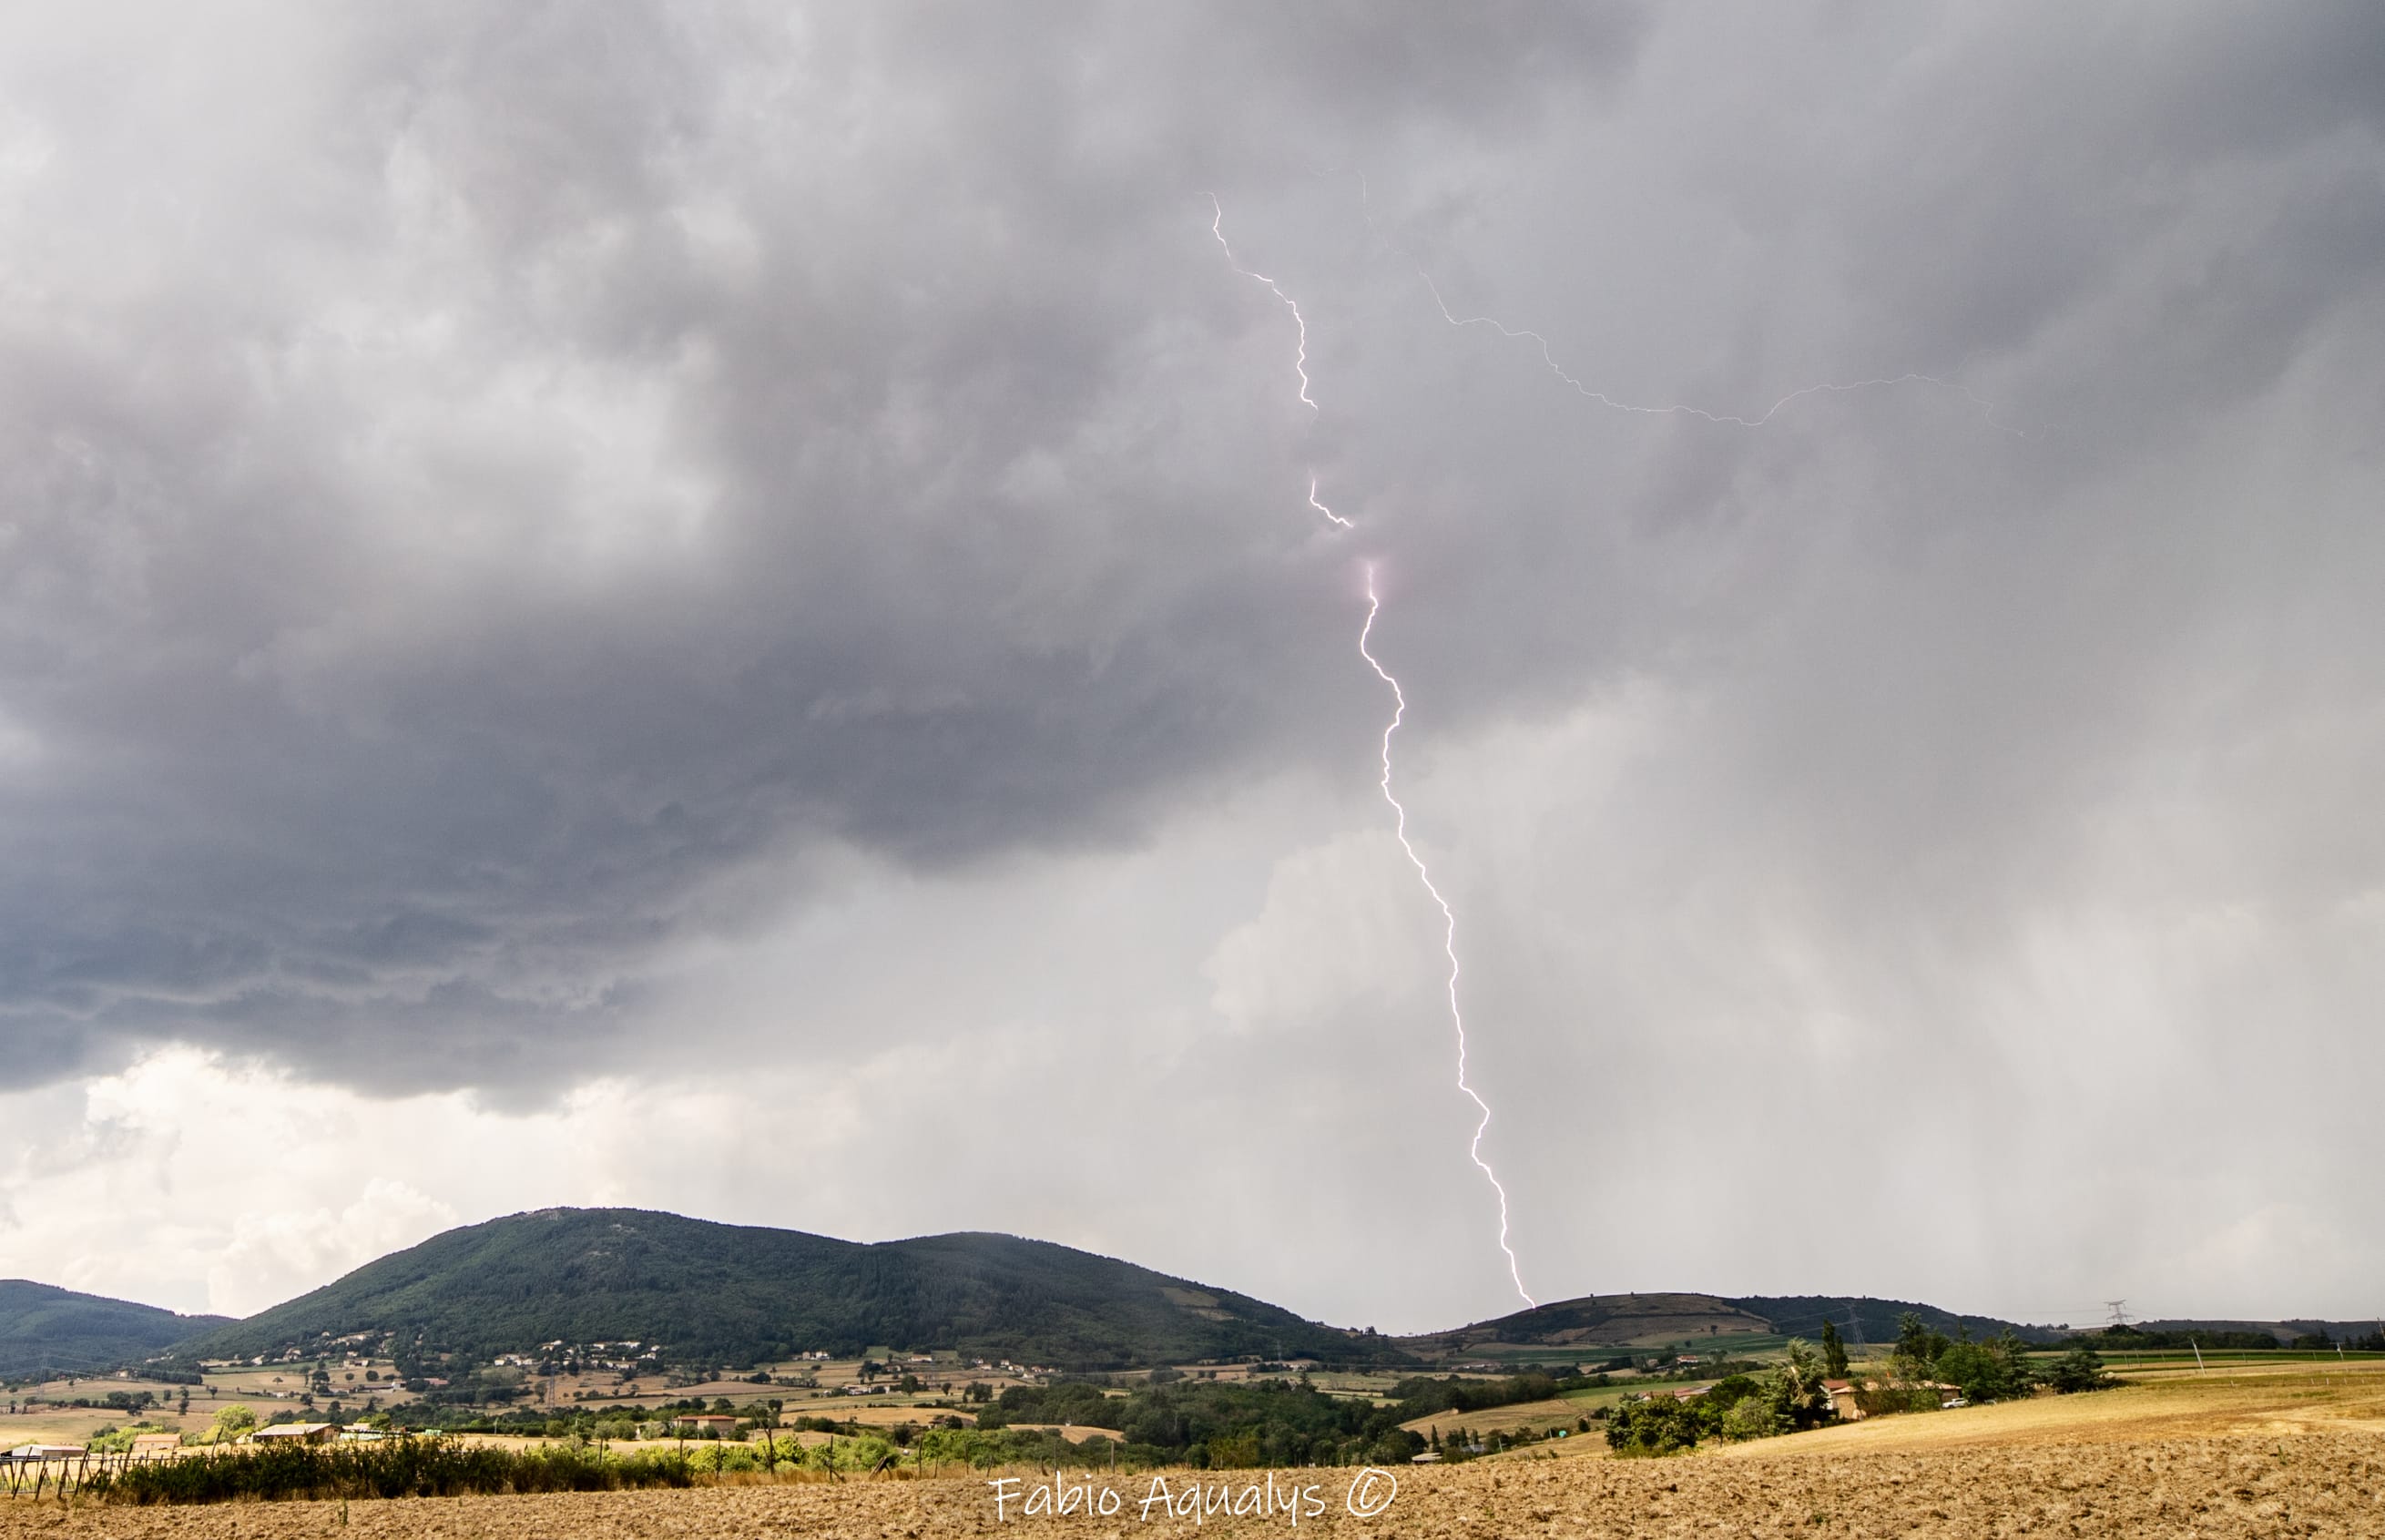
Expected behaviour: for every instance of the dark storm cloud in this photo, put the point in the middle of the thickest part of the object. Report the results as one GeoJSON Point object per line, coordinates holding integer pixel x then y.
{"type": "Point", "coordinates": [493, 495]}
{"type": "Point", "coordinates": [478, 482]}
{"type": "Point", "coordinates": [766, 554]}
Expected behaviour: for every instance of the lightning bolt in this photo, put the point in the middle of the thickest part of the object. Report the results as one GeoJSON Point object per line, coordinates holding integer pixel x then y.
{"type": "Point", "coordinates": [1400, 813]}
{"type": "Point", "coordinates": [1300, 358]}
{"type": "Point", "coordinates": [1548, 356]}
{"type": "Point", "coordinates": [1323, 509]}
{"type": "Point", "coordinates": [1449, 925]}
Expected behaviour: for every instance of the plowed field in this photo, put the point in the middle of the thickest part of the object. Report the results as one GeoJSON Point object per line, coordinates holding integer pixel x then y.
{"type": "Point", "coordinates": [2279, 1456]}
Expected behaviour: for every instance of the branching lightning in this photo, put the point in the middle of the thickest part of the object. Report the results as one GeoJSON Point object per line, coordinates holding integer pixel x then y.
{"type": "Point", "coordinates": [1399, 812]}
{"type": "Point", "coordinates": [1323, 509]}
{"type": "Point", "coordinates": [1548, 356]}
{"type": "Point", "coordinates": [1374, 601]}
{"type": "Point", "coordinates": [1449, 925]}
{"type": "Point", "coordinates": [1300, 358]}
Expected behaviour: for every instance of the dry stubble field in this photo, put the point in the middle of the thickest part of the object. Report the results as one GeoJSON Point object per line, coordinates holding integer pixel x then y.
{"type": "Point", "coordinates": [2268, 1455]}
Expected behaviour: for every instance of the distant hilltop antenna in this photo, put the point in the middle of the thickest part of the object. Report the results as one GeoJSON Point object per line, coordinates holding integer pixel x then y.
{"type": "Point", "coordinates": [2119, 1309]}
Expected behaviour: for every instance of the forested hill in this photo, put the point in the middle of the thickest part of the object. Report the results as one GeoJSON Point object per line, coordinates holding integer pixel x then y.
{"type": "Point", "coordinates": [1661, 1320]}
{"type": "Point", "coordinates": [1860, 1318]}
{"type": "Point", "coordinates": [46, 1331]}
{"type": "Point", "coordinates": [738, 1294]}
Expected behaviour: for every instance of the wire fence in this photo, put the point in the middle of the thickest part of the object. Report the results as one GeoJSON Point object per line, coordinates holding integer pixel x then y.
{"type": "Point", "coordinates": [61, 1476]}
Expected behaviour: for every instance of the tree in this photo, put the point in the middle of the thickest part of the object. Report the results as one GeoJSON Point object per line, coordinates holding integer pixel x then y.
{"type": "Point", "coordinates": [1834, 1352]}
{"type": "Point", "coordinates": [1753, 1418]}
{"type": "Point", "coordinates": [232, 1421]}
{"type": "Point", "coordinates": [1996, 1370]}
{"type": "Point", "coordinates": [1913, 1360]}
{"type": "Point", "coordinates": [2080, 1369]}
{"type": "Point", "coordinates": [1659, 1426]}
{"type": "Point", "coordinates": [1917, 1341]}
{"type": "Point", "coordinates": [1796, 1391]}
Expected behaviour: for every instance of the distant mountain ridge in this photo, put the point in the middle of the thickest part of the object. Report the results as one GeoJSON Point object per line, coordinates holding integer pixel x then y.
{"type": "Point", "coordinates": [46, 1331]}
{"type": "Point", "coordinates": [1863, 1320]}
{"type": "Point", "coordinates": [735, 1296]}
{"type": "Point", "coordinates": [1593, 1320]}
{"type": "Point", "coordinates": [1623, 1321]}
{"type": "Point", "coordinates": [739, 1294]}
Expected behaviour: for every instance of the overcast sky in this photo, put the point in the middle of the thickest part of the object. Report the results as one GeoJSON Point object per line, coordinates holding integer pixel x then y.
{"type": "Point", "coordinates": [717, 608]}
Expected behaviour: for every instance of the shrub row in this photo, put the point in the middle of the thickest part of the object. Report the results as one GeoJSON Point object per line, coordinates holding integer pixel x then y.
{"type": "Point", "coordinates": [402, 1467]}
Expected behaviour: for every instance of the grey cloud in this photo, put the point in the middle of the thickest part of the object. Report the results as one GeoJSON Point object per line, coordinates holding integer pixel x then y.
{"type": "Point", "coordinates": [480, 483]}
{"type": "Point", "coordinates": [493, 495]}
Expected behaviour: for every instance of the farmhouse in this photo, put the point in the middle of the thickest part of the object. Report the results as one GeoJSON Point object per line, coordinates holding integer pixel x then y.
{"type": "Point", "coordinates": [297, 1432]}
{"type": "Point", "coordinates": [717, 1424]}
{"type": "Point", "coordinates": [1843, 1399]}
{"type": "Point", "coordinates": [155, 1443]}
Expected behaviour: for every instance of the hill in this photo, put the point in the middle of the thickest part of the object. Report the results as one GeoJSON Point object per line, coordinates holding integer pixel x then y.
{"type": "Point", "coordinates": [1860, 1318]}
{"type": "Point", "coordinates": [740, 1295]}
{"type": "Point", "coordinates": [1595, 1320]}
{"type": "Point", "coordinates": [1640, 1321]}
{"type": "Point", "coordinates": [46, 1331]}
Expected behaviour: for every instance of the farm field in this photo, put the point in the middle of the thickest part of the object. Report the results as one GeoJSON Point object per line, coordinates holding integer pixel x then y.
{"type": "Point", "coordinates": [2322, 1484]}
{"type": "Point", "coordinates": [1535, 1416]}
{"type": "Point", "coordinates": [2288, 1451]}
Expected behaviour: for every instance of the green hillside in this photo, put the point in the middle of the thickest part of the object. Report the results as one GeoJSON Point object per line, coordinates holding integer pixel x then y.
{"type": "Point", "coordinates": [1874, 1321]}
{"type": "Point", "coordinates": [740, 1295]}
{"type": "Point", "coordinates": [46, 1331]}
{"type": "Point", "coordinates": [1620, 1320]}
{"type": "Point", "coordinates": [1591, 1321]}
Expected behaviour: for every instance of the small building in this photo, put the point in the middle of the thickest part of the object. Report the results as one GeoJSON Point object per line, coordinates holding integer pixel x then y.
{"type": "Point", "coordinates": [298, 1433]}
{"type": "Point", "coordinates": [1843, 1404]}
{"type": "Point", "coordinates": [155, 1443]}
{"type": "Point", "coordinates": [46, 1451]}
{"type": "Point", "coordinates": [716, 1424]}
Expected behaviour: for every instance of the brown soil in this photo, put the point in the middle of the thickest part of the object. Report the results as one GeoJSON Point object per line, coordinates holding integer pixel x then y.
{"type": "Point", "coordinates": [2313, 1484]}
{"type": "Point", "coordinates": [2269, 1456]}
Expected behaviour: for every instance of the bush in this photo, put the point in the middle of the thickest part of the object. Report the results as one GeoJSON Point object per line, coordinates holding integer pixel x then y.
{"type": "Point", "coordinates": [2080, 1369]}
{"type": "Point", "coordinates": [232, 1421]}
{"type": "Point", "coordinates": [432, 1467]}
{"type": "Point", "coordinates": [1661, 1426]}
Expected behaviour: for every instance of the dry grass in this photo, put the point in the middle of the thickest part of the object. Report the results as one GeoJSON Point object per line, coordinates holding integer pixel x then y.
{"type": "Point", "coordinates": [1538, 1416]}
{"type": "Point", "coordinates": [2318, 1484]}
{"type": "Point", "coordinates": [2274, 1453]}
{"type": "Point", "coordinates": [2280, 1403]}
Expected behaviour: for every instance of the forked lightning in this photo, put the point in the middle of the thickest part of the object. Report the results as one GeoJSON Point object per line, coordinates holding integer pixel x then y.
{"type": "Point", "coordinates": [1399, 714]}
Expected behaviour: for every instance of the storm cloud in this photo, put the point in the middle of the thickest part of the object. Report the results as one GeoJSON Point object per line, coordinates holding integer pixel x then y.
{"type": "Point", "coordinates": [532, 538]}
